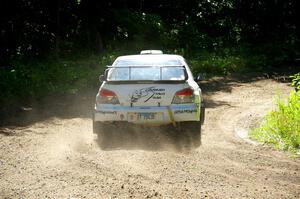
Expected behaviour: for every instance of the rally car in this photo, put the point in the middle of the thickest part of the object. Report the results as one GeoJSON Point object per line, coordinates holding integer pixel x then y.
{"type": "Point", "coordinates": [150, 88]}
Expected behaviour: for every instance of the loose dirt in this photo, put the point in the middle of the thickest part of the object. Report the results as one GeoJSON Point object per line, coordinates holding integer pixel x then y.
{"type": "Point", "coordinates": [49, 151]}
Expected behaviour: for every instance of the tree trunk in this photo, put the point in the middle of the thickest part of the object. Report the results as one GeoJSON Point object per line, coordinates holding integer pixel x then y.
{"type": "Point", "coordinates": [57, 34]}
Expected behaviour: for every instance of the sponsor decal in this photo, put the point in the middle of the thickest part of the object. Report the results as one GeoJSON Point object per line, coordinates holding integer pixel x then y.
{"type": "Point", "coordinates": [146, 94]}
{"type": "Point", "coordinates": [185, 111]}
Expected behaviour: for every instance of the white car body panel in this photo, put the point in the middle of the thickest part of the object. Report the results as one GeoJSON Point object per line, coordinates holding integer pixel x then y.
{"type": "Point", "coordinates": [149, 103]}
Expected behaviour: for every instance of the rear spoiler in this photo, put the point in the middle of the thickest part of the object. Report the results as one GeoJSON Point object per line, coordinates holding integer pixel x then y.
{"type": "Point", "coordinates": [104, 77]}
{"type": "Point", "coordinates": [146, 82]}
{"type": "Point", "coordinates": [142, 66]}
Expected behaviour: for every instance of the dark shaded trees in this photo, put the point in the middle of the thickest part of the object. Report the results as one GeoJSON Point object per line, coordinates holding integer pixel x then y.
{"type": "Point", "coordinates": [33, 28]}
{"type": "Point", "coordinates": [53, 46]}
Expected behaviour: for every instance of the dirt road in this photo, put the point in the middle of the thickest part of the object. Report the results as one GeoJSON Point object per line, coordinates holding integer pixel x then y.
{"type": "Point", "coordinates": [49, 151]}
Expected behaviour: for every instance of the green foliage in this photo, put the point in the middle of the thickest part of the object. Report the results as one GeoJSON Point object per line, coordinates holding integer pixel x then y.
{"type": "Point", "coordinates": [214, 64]}
{"type": "Point", "coordinates": [296, 81]}
{"type": "Point", "coordinates": [36, 28]}
{"type": "Point", "coordinates": [65, 76]}
{"type": "Point", "coordinates": [145, 26]}
{"type": "Point", "coordinates": [281, 127]}
{"type": "Point", "coordinates": [36, 78]}
{"type": "Point", "coordinates": [228, 60]}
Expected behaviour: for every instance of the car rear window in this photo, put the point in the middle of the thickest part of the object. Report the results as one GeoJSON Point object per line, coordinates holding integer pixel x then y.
{"type": "Point", "coordinates": [164, 73]}
{"type": "Point", "coordinates": [148, 61]}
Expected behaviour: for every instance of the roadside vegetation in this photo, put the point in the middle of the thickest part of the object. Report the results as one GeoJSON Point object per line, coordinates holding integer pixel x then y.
{"type": "Point", "coordinates": [61, 76]}
{"type": "Point", "coordinates": [61, 47]}
{"type": "Point", "coordinates": [281, 127]}
{"type": "Point", "coordinates": [68, 75]}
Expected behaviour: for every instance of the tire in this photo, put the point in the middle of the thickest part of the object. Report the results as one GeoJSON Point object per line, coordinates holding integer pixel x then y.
{"type": "Point", "coordinates": [192, 132]}
{"type": "Point", "coordinates": [102, 133]}
{"type": "Point", "coordinates": [202, 113]}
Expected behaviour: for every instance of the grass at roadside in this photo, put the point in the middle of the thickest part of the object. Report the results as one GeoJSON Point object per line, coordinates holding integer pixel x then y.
{"type": "Point", "coordinates": [27, 78]}
{"type": "Point", "coordinates": [281, 127]}
{"type": "Point", "coordinates": [36, 79]}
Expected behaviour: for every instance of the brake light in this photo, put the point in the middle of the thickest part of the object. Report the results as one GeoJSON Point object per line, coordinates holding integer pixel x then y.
{"type": "Point", "coordinates": [107, 97]}
{"type": "Point", "coordinates": [183, 96]}
{"type": "Point", "coordinates": [107, 93]}
{"type": "Point", "coordinates": [185, 92]}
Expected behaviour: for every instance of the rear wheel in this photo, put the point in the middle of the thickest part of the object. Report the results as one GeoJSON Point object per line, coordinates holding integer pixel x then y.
{"type": "Point", "coordinates": [102, 133]}
{"type": "Point", "coordinates": [192, 131]}
{"type": "Point", "coordinates": [202, 113]}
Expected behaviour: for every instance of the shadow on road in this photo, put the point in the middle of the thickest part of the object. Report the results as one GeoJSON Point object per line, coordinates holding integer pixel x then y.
{"type": "Point", "coordinates": [209, 103]}
{"type": "Point", "coordinates": [61, 106]}
{"type": "Point", "coordinates": [226, 83]}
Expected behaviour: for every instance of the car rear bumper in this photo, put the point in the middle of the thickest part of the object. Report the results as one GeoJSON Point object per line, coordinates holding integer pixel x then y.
{"type": "Point", "coordinates": [147, 115]}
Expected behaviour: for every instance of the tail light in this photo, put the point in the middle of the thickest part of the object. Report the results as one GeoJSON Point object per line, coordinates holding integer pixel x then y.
{"type": "Point", "coordinates": [107, 97]}
{"type": "Point", "coordinates": [183, 96]}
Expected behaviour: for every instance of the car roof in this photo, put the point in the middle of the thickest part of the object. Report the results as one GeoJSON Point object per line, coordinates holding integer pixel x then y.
{"type": "Point", "coordinates": [149, 60]}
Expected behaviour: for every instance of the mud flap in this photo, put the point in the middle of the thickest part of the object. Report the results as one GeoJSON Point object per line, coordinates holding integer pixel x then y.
{"type": "Point", "coordinates": [202, 113]}
{"type": "Point", "coordinates": [171, 116]}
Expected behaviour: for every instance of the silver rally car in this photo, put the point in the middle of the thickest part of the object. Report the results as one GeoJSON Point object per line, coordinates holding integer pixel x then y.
{"type": "Point", "coordinates": [151, 88]}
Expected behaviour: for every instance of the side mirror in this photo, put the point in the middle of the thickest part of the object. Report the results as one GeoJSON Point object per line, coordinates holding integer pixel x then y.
{"type": "Point", "coordinates": [200, 77]}
{"type": "Point", "coordinates": [103, 77]}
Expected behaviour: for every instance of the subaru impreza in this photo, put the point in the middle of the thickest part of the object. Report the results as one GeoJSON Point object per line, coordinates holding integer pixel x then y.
{"type": "Point", "coordinates": [148, 89]}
